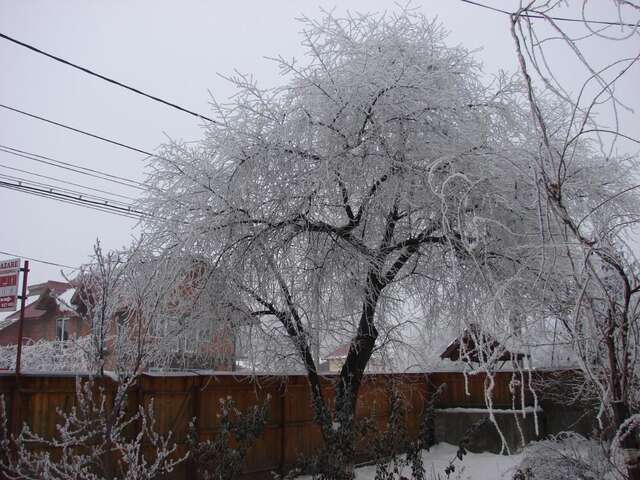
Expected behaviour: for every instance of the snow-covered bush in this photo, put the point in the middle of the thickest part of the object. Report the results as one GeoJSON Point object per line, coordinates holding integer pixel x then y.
{"type": "Point", "coordinates": [341, 435]}
{"type": "Point", "coordinates": [93, 441]}
{"type": "Point", "coordinates": [395, 453]}
{"type": "Point", "coordinates": [217, 459]}
{"type": "Point", "coordinates": [49, 356]}
{"type": "Point", "coordinates": [393, 448]}
{"type": "Point", "coordinates": [568, 456]}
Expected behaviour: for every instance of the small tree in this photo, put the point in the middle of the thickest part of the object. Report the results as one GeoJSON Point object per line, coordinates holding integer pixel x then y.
{"type": "Point", "coordinates": [598, 305]}
{"type": "Point", "coordinates": [141, 306]}
{"type": "Point", "coordinates": [223, 457]}
{"type": "Point", "coordinates": [94, 441]}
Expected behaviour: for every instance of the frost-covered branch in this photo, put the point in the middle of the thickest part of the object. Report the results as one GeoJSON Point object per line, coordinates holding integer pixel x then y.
{"type": "Point", "coordinates": [93, 441]}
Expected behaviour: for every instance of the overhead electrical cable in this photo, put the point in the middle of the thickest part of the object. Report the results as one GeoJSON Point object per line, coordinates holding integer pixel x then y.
{"type": "Point", "coordinates": [70, 198]}
{"type": "Point", "coordinates": [47, 262]}
{"type": "Point", "coordinates": [77, 130]}
{"type": "Point", "coordinates": [105, 78]}
{"type": "Point", "coordinates": [540, 16]}
{"type": "Point", "coordinates": [68, 164]}
{"type": "Point", "coordinates": [79, 199]}
{"type": "Point", "coordinates": [70, 202]}
{"type": "Point", "coordinates": [28, 157]}
{"type": "Point", "coordinates": [106, 201]}
{"type": "Point", "coordinates": [39, 175]}
{"type": "Point", "coordinates": [98, 137]}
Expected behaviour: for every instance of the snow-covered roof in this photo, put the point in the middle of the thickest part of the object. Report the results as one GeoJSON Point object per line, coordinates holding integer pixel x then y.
{"type": "Point", "coordinates": [339, 353]}
{"type": "Point", "coordinates": [61, 292]}
{"type": "Point", "coordinates": [30, 311]}
{"type": "Point", "coordinates": [4, 323]}
{"type": "Point", "coordinates": [52, 286]}
{"type": "Point", "coordinates": [473, 352]}
{"type": "Point", "coordinates": [64, 298]}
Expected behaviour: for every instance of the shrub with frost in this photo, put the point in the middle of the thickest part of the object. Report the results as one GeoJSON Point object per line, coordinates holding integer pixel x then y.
{"type": "Point", "coordinates": [223, 457]}
{"type": "Point", "coordinates": [568, 456]}
{"type": "Point", "coordinates": [94, 440]}
{"type": "Point", "coordinates": [49, 356]}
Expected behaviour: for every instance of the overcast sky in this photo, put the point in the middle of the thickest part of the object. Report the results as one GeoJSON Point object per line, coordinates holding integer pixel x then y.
{"type": "Point", "coordinates": [174, 50]}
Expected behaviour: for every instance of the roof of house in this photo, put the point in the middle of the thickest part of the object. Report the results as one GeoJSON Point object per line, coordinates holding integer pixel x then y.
{"type": "Point", "coordinates": [339, 353]}
{"type": "Point", "coordinates": [51, 285]}
{"type": "Point", "coordinates": [37, 308]}
{"type": "Point", "coordinates": [465, 347]}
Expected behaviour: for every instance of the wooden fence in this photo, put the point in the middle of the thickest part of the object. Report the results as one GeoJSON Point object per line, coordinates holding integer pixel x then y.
{"type": "Point", "coordinates": [290, 432]}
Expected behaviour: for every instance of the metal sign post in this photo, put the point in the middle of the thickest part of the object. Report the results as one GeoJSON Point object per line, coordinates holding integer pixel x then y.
{"type": "Point", "coordinates": [23, 302]}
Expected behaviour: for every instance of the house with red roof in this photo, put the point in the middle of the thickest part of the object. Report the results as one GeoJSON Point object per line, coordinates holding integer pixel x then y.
{"type": "Point", "coordinates": [49, 315]}
{"type": "Point", "coordinates": [336, 358]}
{"type": "Point", "coordinates": [55, 312]}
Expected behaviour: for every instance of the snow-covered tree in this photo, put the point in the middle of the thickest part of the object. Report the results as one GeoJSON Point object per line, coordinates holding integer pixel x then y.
{"type": "Point", "coordinates": [599, 306]}
{"type": "Point", "coordinates": [383, 169]}
{"type": "Point", "coordinates": [143, 309]}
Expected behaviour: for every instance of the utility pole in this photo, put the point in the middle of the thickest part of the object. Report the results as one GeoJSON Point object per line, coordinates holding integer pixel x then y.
{"type": "Point", "coordinates": [23, 302]}
{"type": "Point", "coordinates": [16, 390]}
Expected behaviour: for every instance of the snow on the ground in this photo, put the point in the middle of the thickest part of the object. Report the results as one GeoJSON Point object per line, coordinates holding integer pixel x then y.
{"type": "Point", "coordinates": [474, 466]}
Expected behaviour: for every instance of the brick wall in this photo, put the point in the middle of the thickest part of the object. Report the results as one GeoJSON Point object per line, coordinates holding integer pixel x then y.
{"type": "Point", "coordinates": [42, 328]}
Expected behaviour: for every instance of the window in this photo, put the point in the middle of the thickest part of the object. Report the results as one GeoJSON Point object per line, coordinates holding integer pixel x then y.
{"type": "Point", "coordinates": [62, 329]}
{"type": "Point", "coordinates": [190, 341]}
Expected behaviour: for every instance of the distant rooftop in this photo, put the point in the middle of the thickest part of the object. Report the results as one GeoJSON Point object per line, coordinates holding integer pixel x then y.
{"type": "Point", "coordinates": [35, 309]}
{"type": "Point", "coordinates": [475, 345]}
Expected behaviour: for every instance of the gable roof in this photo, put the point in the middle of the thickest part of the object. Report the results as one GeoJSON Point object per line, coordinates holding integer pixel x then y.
{"type": "Point", "coordinates": [50, 285]}
{"type": "Point", "coordinates": [39, 307]}
{"type": "Point", "coordinates": [465, 348]}
{"type": "Point", "coordinates": [339, 353]}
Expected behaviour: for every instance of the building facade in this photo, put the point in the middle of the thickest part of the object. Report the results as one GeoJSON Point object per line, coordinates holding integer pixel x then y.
{"type": "Point", "coordinates": [48, 316]}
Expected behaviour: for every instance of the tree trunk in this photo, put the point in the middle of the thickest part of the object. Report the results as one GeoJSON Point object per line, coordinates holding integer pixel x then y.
{"type": "Point", "coordinates": [621, 413]}
{"type": "Point", "coordinates": [352, 371]}
{"type": "Point", "coordinates": [629, 443]}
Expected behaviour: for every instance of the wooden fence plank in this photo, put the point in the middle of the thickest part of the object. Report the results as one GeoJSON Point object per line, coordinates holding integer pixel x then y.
{"type": "Point", "coordinates": [290, 430]}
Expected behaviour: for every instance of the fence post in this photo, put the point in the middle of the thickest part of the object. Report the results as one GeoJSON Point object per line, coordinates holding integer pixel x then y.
{"type": "Point", "coordinates": [195, 405]}
{"type": "Point", "coordinates": [283, 423]}
{"type": "Point", "coordinates": [192, 461]}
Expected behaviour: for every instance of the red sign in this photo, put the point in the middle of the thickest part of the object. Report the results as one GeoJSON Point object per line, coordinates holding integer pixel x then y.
{"type": "Point", "coordinates": [9, 273]}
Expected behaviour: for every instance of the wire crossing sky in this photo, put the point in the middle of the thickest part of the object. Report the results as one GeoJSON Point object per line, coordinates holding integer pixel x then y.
{"type": "Point", "coordinates": [70, 70]}
{"type": "Point", "coordinates": [102, 77]}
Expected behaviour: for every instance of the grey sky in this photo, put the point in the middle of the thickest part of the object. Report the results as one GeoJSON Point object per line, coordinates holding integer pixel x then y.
{"type": "Point", "coordinates": [173, 50]}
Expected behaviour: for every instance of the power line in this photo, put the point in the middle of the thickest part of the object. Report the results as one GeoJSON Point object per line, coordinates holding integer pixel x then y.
{"type": "Point", "coordinates": [65, 182]}
{"type": "Point", "coordinates": [58, 198]}
{"type": "Point", "coordinates": [93, 135]}
{"type": "Point", "coordinates": [105, 78]}
{"type": "Point", "coordinates": [488, 7]}
{"type": "Point", "coordinates": [91, 170]}
{"type": "Point", "coordinates": [69, 200]}
{"type": "Point", "coordinates": [77, 130]}
{"type": "Point", "coordinates": [79, 200]}
{"type": "Point", "coordinates": [544, 17]}
{"type": "Point", "coordinates": [47, 262]}
{"type": "Point", "coordinates": [70, 196]}
{"type": "Point", "coordinates": [50, 188]}
{"type": "Point", "coordinates": [72, 167]}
